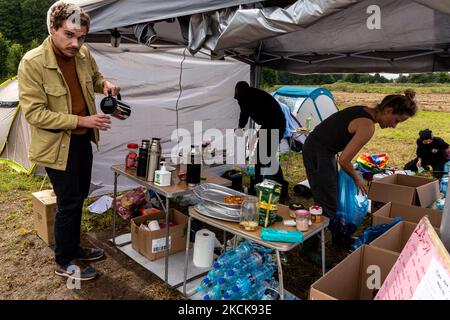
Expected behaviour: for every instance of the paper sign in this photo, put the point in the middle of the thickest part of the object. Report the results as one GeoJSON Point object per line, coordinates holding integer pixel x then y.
{"type": "Point", "coordinates": [422, 270]}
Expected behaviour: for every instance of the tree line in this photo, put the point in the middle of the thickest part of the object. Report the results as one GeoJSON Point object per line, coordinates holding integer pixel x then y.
{"type": "Point", "coordinates": [272, 77]}
{"type": "Point", "coordinates": [23, 26]}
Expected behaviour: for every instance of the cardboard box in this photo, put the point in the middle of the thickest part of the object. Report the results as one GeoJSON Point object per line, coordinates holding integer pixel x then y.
{"type": "Point", "coordinates": [44, 211]}
{"type": "Point", "coordinates": [396, 238]}
{"type": "Point", "coordinates": [405, 189]}
{"type": "Point", "coordinates": [409, 213]}
{"type": "Point", "coordinates": [350, 278]}
{"type": "Point", "coordinates": [151, 244]}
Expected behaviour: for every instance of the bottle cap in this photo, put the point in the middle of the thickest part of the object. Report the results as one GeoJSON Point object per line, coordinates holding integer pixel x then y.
{"type": "Point", "coordinates": [301, 213]}
{"type": "Point", "coordinates": [132, 145]}
{"type": "Point", "coordinates": [315, 210]}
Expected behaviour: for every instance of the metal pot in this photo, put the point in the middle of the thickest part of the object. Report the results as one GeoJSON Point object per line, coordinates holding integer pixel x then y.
{"type": "Point", "coordinates": [115, 107]}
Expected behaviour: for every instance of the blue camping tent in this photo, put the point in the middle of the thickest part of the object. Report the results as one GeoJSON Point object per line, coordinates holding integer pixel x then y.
{"type": "Point", "coordinates": [304, 102]}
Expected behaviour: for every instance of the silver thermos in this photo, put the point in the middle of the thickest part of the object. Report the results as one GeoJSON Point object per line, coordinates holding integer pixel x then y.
{"type": "Point", "coordinates": [154, 158]}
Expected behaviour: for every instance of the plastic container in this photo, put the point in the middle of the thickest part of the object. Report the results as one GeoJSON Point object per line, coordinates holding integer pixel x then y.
{"type": "Point", "coordinates": [249, 218]}
{"type": "Point", "coordinates": [316, 214]}
{"type": "Point", "coordinates": [302, 220]}
{"type": "Point", "coordinates": [443, 185]}
{"type": "Point", "coordinates": [231, 257]}
{"type": "Point", "coordinates": [249, 282]}
{"type": "Point", "coordinates": [131, 159]}
{"type": "Point", "coordinates": [162, 176]}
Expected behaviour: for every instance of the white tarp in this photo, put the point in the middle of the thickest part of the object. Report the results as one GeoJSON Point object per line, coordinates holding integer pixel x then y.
{"type": "Point", "coordinates": [149, 81]}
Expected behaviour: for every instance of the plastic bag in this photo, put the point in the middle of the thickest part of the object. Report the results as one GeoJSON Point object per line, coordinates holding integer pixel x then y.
{"type": "Point", "coordinates": [371, 233]}
{"type": "Point", "coordinates": [352, 207]}
{"type": "Point", "coordinates": [128, 202]}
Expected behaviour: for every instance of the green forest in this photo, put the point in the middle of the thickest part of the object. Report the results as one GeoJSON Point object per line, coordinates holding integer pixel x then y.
{"type": "Point", "coordinates": [22, 27]}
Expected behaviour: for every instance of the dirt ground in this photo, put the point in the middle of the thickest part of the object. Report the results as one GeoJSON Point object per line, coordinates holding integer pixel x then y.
{"type": "Point", "coordinates": [428, 102]}
{"type": "Point", "coordinates": [27, 265]}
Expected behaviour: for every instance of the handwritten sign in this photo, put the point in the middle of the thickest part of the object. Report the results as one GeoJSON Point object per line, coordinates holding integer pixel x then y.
{"type": "Point", "coordinates": [422, 271]}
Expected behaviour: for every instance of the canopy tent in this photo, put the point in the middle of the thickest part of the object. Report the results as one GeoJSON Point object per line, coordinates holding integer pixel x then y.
{"type": "Point", "coordinates": [307, 36]}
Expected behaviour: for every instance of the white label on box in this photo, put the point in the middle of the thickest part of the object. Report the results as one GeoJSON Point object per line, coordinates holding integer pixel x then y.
{"type": "Point", "coordinates": [435, 285]}
{"type": "Point", "coordinates": [159, 245]}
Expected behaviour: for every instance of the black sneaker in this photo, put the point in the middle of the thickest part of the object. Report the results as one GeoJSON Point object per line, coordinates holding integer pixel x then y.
{"type": "Point", "coordinates": [90, 254]}
{"type": "Point", "coordinates": [76, 270]}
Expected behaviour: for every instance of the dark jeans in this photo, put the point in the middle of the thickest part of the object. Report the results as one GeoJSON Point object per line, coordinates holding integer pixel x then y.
{"type": "Point", "coordinates": [322, 174]}
{"type": "Point", "coordinates": [71, 187]}
{"type": "Point", "coordinates": [278, 176]}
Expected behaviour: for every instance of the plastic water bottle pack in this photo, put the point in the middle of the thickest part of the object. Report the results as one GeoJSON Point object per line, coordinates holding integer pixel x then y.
{"type": "Point", "coordinates": [243, 273]}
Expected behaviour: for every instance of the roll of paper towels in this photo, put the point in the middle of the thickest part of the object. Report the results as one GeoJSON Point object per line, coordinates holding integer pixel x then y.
{"type": "Point", "coordinates": [204, 248]}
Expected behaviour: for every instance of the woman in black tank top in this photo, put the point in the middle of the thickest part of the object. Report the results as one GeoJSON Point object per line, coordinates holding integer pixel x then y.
{"type": "Point", "coordinates": [347, 131]}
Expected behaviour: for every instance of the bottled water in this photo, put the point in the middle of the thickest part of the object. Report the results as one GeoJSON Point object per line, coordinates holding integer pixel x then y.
{"type": "Point", "coordinates": [234, 256]}
{"type": "Point", "coordinates": [205, 285]}
{"type": "Point", "coordinates": [444, 185]}
{"type": "Point", "coordinates": [258, 291]}
{"type": "Point", "coordinates": [216, 272]}
{"type": "Point", "coordinates": [255, 260]}
{"type": "Point", "coordinates": [216, 293]}
{"type": "Point", "coordinates": [232, 295]}
{"type": "Point", "coordinates": [246, 283]}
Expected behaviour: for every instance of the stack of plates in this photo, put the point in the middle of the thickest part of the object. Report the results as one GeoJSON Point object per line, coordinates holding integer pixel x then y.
{"type": "Point", "coordinates": [212, 202]}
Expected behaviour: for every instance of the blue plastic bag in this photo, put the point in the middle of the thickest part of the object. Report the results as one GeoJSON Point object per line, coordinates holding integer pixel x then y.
{"type": "Point", "coordinates": [352, 207]}
{"type": "Point", "coordinates": [371, 233]}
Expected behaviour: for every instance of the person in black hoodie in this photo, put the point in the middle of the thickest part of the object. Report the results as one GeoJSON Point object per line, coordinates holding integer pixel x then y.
{"type": "Point", "coordinates": [264, 109]}
{"type": "Point", "coordinates": [431, 151]}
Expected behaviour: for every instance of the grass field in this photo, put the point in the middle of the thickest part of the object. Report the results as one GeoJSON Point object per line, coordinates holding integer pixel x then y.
{"type": "Point", "coordinates": [122, 278]}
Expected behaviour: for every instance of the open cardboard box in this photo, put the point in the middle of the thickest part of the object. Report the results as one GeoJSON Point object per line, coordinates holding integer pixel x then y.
{"type": "Point", "coordinates": [44, 211]}
{"type": "Point", "coordinates": [405, 189]}
{"type": "Point", "coordinates": [353, 277]}
{"type": "Point", "coordinates": [151, 244]}
{"type": "Point", "coordinates": [413, 214]}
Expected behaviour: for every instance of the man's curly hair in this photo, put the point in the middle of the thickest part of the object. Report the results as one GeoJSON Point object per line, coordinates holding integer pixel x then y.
{"type": "Point", "coordinates": [63, 11]}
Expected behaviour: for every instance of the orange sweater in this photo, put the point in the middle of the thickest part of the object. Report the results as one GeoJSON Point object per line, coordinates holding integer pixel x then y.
{"type": "Point", "coordinates": [69, 71]}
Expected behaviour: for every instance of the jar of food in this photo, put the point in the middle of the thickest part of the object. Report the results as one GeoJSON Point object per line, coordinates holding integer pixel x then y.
{"type": "Point", "coordinates": [302, 220]}
{"type": "Point", "coordinates": [132, 157]}
{"type": "Point", "coordinates": [316, 214]}
{"type": "Point", "coordinates": [249, 219]}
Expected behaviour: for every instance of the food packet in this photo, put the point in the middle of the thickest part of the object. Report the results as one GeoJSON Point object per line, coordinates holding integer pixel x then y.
{"type": "Point", "coordinates": [268, 193]}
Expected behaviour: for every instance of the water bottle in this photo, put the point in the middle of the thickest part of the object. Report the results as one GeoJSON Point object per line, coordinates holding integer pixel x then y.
{"type": "Point", "coordinates": [232, 295]}
{"type": "Point", "coordinates": [255, 260]}
{"type": "Point", "coordinates": [258, 291]}
{"type": "Point", "coordinates": [246, 283]}
{"type": "Point", "coordinates": [216, 272]}
{"type": "Point", "coordinates": [444, 185]}
{"type": "Point", "coordinates": [216, 293]}
{"type": "Point", "coordinates": [194, 166]}
{"type": "Point", "coordinates": [234, 256]}
{"type": "Point", "coordinates": [205, 285]}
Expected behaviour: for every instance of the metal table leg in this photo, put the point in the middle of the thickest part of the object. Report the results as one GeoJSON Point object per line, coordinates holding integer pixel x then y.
{"type": "Point", "coordinates": [186, 258]}
{"type": "Point", "coordinates": [114, 209]}
{"type": "Point", "coordinates": [166, 276]}
{"type": "Point", "coordinates": [322, 239]}
{"type": "Point", "coordinates": [280, 275]}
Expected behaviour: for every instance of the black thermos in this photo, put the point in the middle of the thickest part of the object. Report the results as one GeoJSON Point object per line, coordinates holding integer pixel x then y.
{"type": "Point", "coordinates": [194, 166]}
{"type": "Point", "coordinates": [143, 159]}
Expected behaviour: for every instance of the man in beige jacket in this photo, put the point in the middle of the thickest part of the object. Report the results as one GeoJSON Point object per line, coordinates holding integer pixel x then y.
{"type": "Point", "coordinates": [57, 82]}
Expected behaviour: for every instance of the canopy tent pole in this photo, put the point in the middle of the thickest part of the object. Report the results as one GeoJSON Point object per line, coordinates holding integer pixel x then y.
{"type": "Point", "coordinates": [445, 223]}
